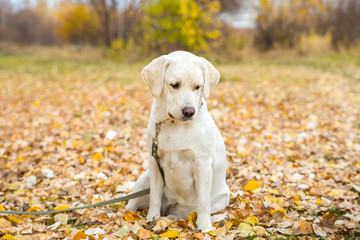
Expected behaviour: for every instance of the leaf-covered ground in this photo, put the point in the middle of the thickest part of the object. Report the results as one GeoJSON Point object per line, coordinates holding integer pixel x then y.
{"type": "Point", "coordinates": [76, 135]}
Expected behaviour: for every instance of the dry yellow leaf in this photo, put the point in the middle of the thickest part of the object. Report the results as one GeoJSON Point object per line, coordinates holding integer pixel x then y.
{"type": "Point", "coordinates": [13, 219]}
{"type": "Point", "coordinates": [278, 212]}
{"type": "Point", "coordinates": [80, 235]}
{"type": "Point", "coordinates": [97, 156]}
{"type": "Point", "coordinates": [336, 192]}
{"type": "Point", "coordinates": [20, 159]}
{"type": "Point", "coordinates": [318, 201]}
{"type": "Point", "coordinates": [8, 237]}
{"type": "Point", "coordinates": [170, 234]}
{"type": "Point", "coordinates": [252, 185]}
{"type": "Point", "coordinates": [252, 220]}
{"type": "Point", "coordinates": [61, 207]}
{"type": "Point", "coordinates": [67, 230]}
{"type": "Point", "coordinates": [192, 218]}
{"type": "Point", "coordinates": [81, 160]}
{"type": "Point", "coordinates": [131, 217]}
{"type": "Point", "coordinates": [245, 229]}
{"type": "Point", "coordinates": [273, 191]}
{"type": "Point", "coordinates": [34, 209]}
{"type": "Point", "coordinates": [198, 236]}
{"type": "Point", "coordinates": [1, 207]}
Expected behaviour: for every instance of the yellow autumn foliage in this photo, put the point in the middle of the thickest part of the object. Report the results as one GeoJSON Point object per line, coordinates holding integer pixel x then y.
{"type": "Point", "coordinates": [185, 24]}
{"type": "Point", "coordinates": [77, 23]}
{"type": "Point", "coordinates": [170, 234]}
{"type": "Point", "coordinates": [252, 185]}
{"type": "Point", "coordinates": [61, 207]}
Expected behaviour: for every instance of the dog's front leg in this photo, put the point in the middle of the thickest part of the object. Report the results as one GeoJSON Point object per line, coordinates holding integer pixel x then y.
{"type": "Point", "coordinates": [203, 181]}
{"type": "Point", "coordinates": [156, 190]}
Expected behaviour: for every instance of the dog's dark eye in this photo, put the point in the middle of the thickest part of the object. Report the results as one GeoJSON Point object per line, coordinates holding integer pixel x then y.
{"type": "Point", "coordinates": [175, 85]}
{"type": "Point", "coordinates": [197, 87]}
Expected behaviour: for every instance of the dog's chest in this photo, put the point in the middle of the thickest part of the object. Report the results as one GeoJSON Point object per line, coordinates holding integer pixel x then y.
{"type": "Point", "coordinates": [178, 168]}
{"type": "Point", "coordinates": [177, 138]}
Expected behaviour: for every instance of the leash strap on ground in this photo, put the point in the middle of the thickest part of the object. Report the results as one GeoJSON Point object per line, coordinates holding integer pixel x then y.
{"type": "Point", "coordinates": [112, 201]}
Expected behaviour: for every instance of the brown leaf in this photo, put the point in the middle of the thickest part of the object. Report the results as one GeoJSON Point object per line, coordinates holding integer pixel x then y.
{"type": "Point", "coordinates": [27, 230]}
{"type": "Point", "coordinates": [318, 231]}
{"type": "Point", "coordinates": [102, 217]}
{"type": "Point", "coordinates": [143, 233]}
{"type": "Point", "coordinates": [303, 227]}
{"type": "Point", "coordinates": [328, 220]}
{"type": "Point", "coordinates": [5, 223]}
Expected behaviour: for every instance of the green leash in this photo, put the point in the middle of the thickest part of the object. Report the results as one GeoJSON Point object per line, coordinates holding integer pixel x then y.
{"type": "Point", "coordinates": [116, 200]}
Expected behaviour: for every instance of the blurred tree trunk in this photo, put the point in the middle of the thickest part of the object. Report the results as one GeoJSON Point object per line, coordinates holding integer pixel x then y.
{"type": "Point", "coordinates": [3, 12]}
{"type": "Point", "coordinates": [106, 14]}
{"type": "Point", "coordinates": [345, 23]}
{"type": "Point", "coordinates": [129, 19]}
{"type": "Point", "coordinates": [231, 6]}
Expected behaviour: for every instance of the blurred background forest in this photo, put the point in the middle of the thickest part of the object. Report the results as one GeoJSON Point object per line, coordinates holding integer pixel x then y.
{"type": "Point", "coordinates": [231, 29]}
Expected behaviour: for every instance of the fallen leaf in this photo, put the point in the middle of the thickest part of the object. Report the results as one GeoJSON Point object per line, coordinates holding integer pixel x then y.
{"type": "Point", "coordinates": [80, 235]}
{"type": "Point", "coordinates": [199, 236]}
{"type": "Point", "coordinates": [97, 156]}
{"type": "Point", "coordinates": [5, 223]}
{"type": "Point", "coordinates": [132, 217]}
{"type": "Point", "coordinates": [328, 220]}
{"type": "Point", "coordinates": [62, 218]}
{"type": "Point", "coordinates": [102, 217]}
{"type": "Point", "coordinates": [253, 220]}
{"type": "Point", "coordinates": [278, 212]}
{"type": "Point", "coordinates": [122, 232]}
{"type": "Point", "coordinates": [34, 209]}
{"type": "Point", "coordinates": [39, 227]}
{"type": "Point", "coordinates": [94, 231]}
{"type": "Point", "coordinates": [160, 225]}
{"type": "Point", "coordinates": [336, 192]}
{"type": "Point", "coordinates": [14, 219]}
{"type": "Point", "coordinates": [27, 230]}
{"type": "Point", "coordinates": [245, 230]}
{"type": "Point", "coordinates": [8, 237]}
{"type": "Point", "coordinates": [192, 219]}
{"type": "Point", "coordinates": [303, 228]}
{"type": "Point", "coordinates": [62, 207]}
{"type": "Point", "coordinates": [252, 185]}
{"type": "Point", "coordinates": [143, 233]}
{"type": "Point", "coordinates": [318, 231]}
{"type": "Point", "coordinates": [170, 234]}
{"type": "Point", "coordinates": [54, 226]}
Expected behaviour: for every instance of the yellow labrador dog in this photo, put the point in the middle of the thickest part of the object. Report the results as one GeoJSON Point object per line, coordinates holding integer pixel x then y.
{"type": "Point", "coordinates": [191, 150]}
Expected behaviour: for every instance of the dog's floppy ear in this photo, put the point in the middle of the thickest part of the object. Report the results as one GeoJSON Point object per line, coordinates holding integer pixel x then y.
{"type": "Point", "coordinates": [154, 74]}
{"type": "Point", "coordinates": [211, 77]}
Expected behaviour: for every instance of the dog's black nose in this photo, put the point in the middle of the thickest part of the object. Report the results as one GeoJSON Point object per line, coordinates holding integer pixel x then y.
{"type": "Point", "coordinates": [188, 112]}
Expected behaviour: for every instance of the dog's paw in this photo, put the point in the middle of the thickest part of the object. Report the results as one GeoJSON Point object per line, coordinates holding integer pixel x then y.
{"type": "Point", "coordinates": [204, 224]}
{"type": "Point", "coordinates": [152, 215]}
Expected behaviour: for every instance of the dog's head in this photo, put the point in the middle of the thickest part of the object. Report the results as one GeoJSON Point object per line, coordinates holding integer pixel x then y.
{"type": "Point", "coordinates": [180, 80]}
